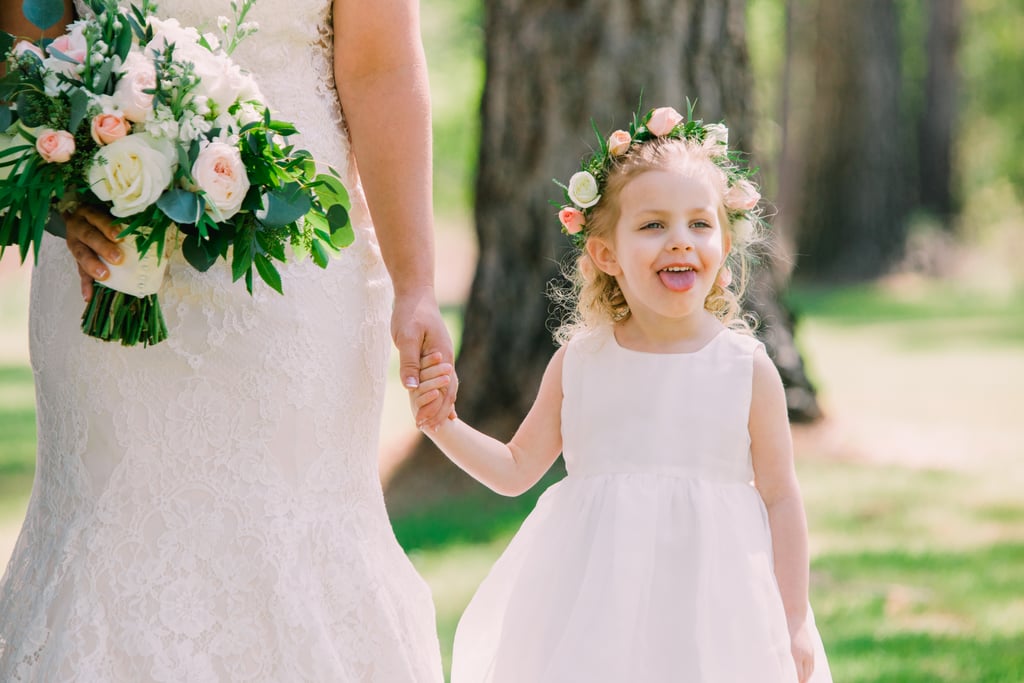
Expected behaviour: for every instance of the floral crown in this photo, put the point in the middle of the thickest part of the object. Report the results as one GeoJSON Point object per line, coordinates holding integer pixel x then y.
{"type": "Point", "coordinates": [587, 185]}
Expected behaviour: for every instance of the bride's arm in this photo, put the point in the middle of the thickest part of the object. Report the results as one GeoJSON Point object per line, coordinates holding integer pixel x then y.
{"type": "Point", "coordinates": [381, 77]}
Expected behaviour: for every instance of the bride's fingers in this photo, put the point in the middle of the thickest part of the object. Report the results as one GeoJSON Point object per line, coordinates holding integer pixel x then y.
{"type": "Point", "coordinates": [430, 359]}
{"type": "Point", "coordinates": [86, 281]}
{"type": "Point", "coordinates": [86, 243]}
{"type": "Point", "coordinates": [438, 383]}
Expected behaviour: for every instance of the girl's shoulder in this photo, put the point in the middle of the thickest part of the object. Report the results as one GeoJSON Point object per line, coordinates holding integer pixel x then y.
{"type": "Point", "coordinates": [740, 341]}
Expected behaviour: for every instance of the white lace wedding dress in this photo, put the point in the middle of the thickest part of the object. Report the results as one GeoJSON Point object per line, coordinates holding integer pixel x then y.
{"type": "Point", "coordinates": [209, 509]}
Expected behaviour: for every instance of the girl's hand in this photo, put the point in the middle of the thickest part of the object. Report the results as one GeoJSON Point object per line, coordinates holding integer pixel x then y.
{"type": "Point", "coordinates": [419, 331]}
{"type": "Point", "coordinates": [434, 379]}
{"type": "Point", "coordinates": [91, 234]}
{"type": "Point", "coordinates": [802, 648]}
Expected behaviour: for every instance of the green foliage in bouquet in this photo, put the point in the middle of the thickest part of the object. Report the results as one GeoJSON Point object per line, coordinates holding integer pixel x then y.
{"type": "Point", "coordinates": [126, 93]}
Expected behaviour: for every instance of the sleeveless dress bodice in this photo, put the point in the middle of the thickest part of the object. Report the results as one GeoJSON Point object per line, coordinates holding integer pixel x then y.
{"type": "Point", "coordinates": [209, 508]}
{"type": "Point", "coordinates": [651, 561]}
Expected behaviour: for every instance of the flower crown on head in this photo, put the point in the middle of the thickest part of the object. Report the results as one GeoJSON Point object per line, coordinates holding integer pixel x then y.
{"type": "Point", "coordinates": [587, 185]}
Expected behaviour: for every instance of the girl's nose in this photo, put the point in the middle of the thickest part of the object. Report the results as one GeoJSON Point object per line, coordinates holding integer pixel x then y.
{"type": "Point", "coordinates": [679, 239]}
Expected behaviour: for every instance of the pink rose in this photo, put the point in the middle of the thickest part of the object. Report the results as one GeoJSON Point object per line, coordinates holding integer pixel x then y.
{"type": "Point", "coordinates": [137, 75]}
{"type": "Point", "coordinates": [572, 219]}
{"type": "Point", "coordinates": [55, 146]}
{"type": "Point", "coordinates": [109, 127]}
{"type": "Point", "coordinates": [23, 47]}
{"type": "Point", "coordinates": [220, 174]}
{"type": "Point", "coordinates": [663, 120]}
{"type": "Point", "coordinates": [742, 196]}
{"type": "Point", "coordinates": [618, 143]}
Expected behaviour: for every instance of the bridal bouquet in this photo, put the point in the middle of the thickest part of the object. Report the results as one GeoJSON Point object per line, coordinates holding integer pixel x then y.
{"type": "Point", "coordinates": [155, 123]}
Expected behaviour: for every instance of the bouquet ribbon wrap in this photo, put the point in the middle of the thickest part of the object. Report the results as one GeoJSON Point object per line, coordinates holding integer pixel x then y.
{"type": "Point", "coordinates": [124, 307]}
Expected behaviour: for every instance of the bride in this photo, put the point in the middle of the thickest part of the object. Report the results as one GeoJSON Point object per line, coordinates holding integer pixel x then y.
{"type": "Point", "coordinates": [209, 508]}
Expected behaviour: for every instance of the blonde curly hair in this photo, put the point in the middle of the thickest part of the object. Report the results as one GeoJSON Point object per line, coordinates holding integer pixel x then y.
{"type": "Point", "coordinates": [595, 298]}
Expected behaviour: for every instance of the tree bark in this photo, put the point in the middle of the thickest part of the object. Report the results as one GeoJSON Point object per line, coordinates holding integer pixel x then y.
{"type": "Point", "coordinates": [938, 115]}
{"type": "Point", "coordinates": [551, 65]}
{"type": "Point", "coordinates": [851, 220]}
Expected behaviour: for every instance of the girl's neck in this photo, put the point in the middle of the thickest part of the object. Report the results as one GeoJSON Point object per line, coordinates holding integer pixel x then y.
{"type": "Point", "coordinates": [661, 336]}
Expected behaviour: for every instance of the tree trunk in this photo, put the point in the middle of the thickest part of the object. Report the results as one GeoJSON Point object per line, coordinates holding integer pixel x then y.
{"type": "Point", "coordinates": [551, 65]}
{"type": "Point", "coordinates": [851, 220]}
{"type": "Point", "coordinates": [938, 115]}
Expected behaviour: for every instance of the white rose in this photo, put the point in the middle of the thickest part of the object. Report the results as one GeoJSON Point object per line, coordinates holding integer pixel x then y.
{"type": "Point", "coordinates": [137, 75]}
{"type": "Point", "coordinates": [219, 172]}
{"type": "Point", "coordinates": [716, 133]}
{"type": "Point", "coordinates": [583, 189]}
{"type": "Point", "coordinates": [132, 173]}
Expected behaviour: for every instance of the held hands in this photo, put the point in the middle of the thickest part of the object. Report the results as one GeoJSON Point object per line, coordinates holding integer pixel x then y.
{"type": "Point", "coordinates": [802, 648]}
{"type": "Point", "coordinates": [91, 234]}
{"type": "Point", "coordinates": [435, 379]}
{"type": "Point", "coordinates": [420, 333]}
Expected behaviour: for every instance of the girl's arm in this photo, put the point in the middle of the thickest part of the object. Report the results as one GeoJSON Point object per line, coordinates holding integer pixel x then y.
{"type": "Point", "coordinates": [381, 77]}
{"type": "Point", "coordinates": [771, 448]}
{"type": "Point", "coordinates": [512, 468]}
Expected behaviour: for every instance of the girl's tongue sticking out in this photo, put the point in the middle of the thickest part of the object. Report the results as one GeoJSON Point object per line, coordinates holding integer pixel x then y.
{"type": "Point", "coordinates": [678, 280]}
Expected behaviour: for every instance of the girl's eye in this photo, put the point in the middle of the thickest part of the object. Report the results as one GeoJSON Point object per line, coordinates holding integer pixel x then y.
{"type": "Point", "coordinates": [653, 225]}
{"type": "Point", "coordinates": [700, 224]}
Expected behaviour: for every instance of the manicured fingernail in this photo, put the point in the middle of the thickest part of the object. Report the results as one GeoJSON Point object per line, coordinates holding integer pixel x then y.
{"type": "Point", "coordinates": [101, 273]}
{"type": "Point", "coordinates": [411, 382]}
{"type": "Point", "coordinates": [114, 257]}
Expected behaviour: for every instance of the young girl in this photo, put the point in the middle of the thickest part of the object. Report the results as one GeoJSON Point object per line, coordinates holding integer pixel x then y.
{"type": "Point", "coordinates": [676, 548]}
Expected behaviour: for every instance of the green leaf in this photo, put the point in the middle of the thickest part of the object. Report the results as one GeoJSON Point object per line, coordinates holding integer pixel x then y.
{"type": "Point", "coordinates": [79, 107]}
{"type": "Point", "coordinates": [181, 206]}
{"type": "Point", "coordinates": [343, 237]}
{"type": "Point", "coordinates": [286, 205]}
{"type": "Point", "coordinates": [242, 254]}
{"type": "Point", "coordinates": [43, 13]}
{"type": "Point", "coordinates": [330, 191]}
{"type": "Point", "coordinates": [6, 42]}
{"type": "Point", "coordinates": [193, 248]}
{"type": "Point", "coordinates": [320, 255]}
{"type": "Point", "coordinates": [271, 243]}
{"type": "Point", "coordinates": [268, 272]}
{"type": "Point", "coordinates": [6, 119]}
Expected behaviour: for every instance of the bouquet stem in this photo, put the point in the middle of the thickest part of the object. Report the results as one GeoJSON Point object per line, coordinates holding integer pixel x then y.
{"type": "Point", "coordinates": [115, 316]}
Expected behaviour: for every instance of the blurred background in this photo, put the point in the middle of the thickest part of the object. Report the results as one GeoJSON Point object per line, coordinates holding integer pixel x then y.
{"type": "Point", "coordinates": [888, 137]}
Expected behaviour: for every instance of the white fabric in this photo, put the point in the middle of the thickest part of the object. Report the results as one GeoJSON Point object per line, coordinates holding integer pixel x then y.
{"type": "Point", "coordinates": [209, 508]}
{"type": "Point", "coordinates": [651, 561]}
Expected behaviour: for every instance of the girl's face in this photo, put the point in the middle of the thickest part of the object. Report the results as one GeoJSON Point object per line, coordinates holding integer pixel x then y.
{"type": "Point", "coordinates": [668, 244]}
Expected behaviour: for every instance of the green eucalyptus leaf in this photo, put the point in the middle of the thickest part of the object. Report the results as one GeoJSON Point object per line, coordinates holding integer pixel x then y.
{"type": "Point", "coordinates": [286, 205]}
{"type": "Point", "coordinates": [343, 236]}
{"type": "Point", "coordinates": [181, 206]}
{"type": "Point", "coordinates": [79, 108]}
{"type": "Point", "coordinates": [43, 13]}
{"type": "Point", "coordinates": [193, 248]}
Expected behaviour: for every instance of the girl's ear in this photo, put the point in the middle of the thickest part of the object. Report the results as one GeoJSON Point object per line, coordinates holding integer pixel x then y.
{"type": "Point", "coordinates": [603, 256]}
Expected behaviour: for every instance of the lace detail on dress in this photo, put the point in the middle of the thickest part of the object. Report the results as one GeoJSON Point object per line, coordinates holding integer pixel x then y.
{"type": "Point", "coordinates": [209, 509]}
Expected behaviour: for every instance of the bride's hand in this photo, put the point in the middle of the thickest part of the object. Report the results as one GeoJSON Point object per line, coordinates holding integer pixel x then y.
{"type": "Point", "coordinates": [418, 330]}
{"type": "Point", "coordinates": [91, 234]}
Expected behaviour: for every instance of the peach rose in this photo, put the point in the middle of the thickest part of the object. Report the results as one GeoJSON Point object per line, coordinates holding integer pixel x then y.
{"type": "Point", "coordinates": [742, 196]}
{"type": "Point", "coordinates": [572, 219]}
{"type": "Point", "coordinates": [618, 143]}
{"type": "Point", "coordinates": [663, 120]}
{"type": "Point", "coordinates": [109, 127]}
{"type": "Point", "coordinates": [55, 146]}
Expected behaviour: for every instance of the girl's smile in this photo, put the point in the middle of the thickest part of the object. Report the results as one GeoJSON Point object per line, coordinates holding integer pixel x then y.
{"type": "Point", "coordinates": [668, 245]}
